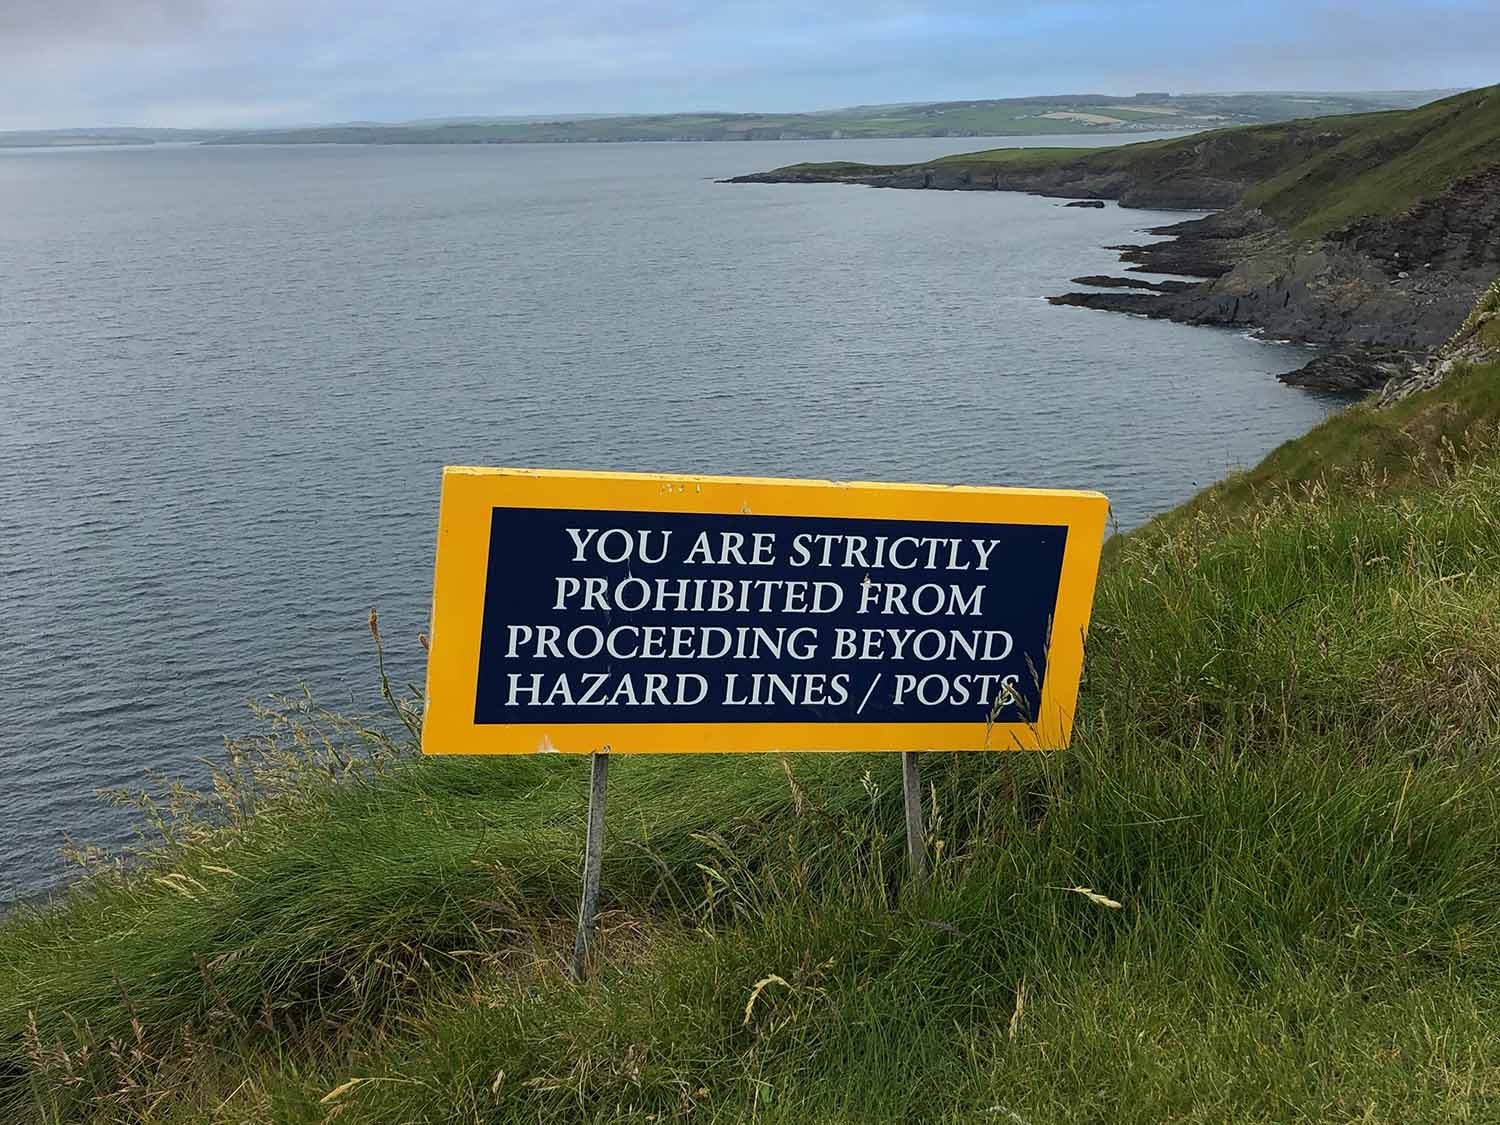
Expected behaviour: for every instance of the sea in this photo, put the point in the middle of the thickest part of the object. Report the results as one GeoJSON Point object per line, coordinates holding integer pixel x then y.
{"type": "Point", "coordinates": [230, 378]}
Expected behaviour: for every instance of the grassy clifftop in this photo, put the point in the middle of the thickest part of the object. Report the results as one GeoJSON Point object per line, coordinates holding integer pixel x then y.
{"type": "Point", "coordinates": [1260, 887]}
{"type": "Point", "coordinates": [1310, 175]}
{"type": "Point", "coordinates": [1384, 163]}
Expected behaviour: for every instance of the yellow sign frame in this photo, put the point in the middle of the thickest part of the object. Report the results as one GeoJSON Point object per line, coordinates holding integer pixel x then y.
{"type": "Point", "coordinates": [470, 494]}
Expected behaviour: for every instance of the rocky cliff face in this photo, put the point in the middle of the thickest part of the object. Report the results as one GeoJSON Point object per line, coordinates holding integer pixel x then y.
{"type": "Point", "coordinates": [1399, 283]}
{"type": "Point", "coordinates": [1476, 342]}
{"type": "Point", "coordinates": [1323, 292]}
{"type": "Point", "coordinates": [1459, 229]}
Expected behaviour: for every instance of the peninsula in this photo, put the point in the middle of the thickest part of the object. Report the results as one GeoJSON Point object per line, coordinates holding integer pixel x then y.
{"type": "Point", "coordinates": [1370, 233]}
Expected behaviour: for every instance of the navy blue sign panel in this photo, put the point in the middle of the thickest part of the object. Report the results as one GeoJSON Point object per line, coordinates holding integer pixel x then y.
{"type": "Point", "coordinates": [671, 617]}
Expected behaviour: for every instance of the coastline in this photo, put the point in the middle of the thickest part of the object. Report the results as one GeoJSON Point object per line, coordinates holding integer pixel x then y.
{"type": "Point", "coordinates": [1199, 248]}
{"type": "Point", "coordinates": [1316, 233]}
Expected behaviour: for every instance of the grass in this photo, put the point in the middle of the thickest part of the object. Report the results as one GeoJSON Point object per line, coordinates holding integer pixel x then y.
{"type": "Point", "coordinates": [1313, 176]}
{"type": "Point", "coordinates": [1283, 802]}
{"type": "Point", "coordinates": [1015, 159]}
{"type": "Point", "coordinates": [1481, 327]}
{"type": "Point", "coordinates": [1383, 163]}
{"type": "Point", "coordinates": [1403, 446]}
{"type": "Point", "coordinates": [1018, 157]}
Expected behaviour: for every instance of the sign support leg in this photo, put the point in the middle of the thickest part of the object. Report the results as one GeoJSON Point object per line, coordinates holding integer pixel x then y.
{"type": "Point", "coordinates": [916, 836]}
{"type": "Point", "coordinates": [593, 859]}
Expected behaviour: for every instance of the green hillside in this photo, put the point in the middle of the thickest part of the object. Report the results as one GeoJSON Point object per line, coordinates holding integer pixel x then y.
{"type": "Point", "coordinates": [1260, 887]}
{"type": "Point", "coordinates": [1056, 114]}
{"type": "Point", "coordinates": [1310, 176]}
{"type": "Point", "coordinates": [1381, 164]}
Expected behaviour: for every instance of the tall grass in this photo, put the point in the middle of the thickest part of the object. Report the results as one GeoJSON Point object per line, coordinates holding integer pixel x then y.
{"type": "Point", "coordinates": [1283, 803]}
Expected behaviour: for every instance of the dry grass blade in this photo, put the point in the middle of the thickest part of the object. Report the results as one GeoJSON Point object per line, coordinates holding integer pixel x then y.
{"type": "Point", "coordinates": [1095, 897]}
{"type": "Point", "coordinates": [1015, 1016]}
{"type": "Point", "coordinates": [760, 986]}
{"type": "Point", "coordinates": [340, 1090]}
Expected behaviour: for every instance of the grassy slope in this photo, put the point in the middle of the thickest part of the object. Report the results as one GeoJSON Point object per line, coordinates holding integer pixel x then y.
{"type": "Point", "coordinates": [1395, 446]}
{"type": "Point", "coordinates": [1284, 772]}
{"type": "Point", "coordinates": [1016, 159]}
{"type": "Point", "coordinates": [1386, 162]}
{"type": "Point", "coordinates": [1318, 175]}
{"type": "Point", "coordinates": [1313, 175]}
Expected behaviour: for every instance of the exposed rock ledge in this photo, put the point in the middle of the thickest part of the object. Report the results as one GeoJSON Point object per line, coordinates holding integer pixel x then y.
{"type": "Point", "coordinates": [1353, 370]}
{"type": "Point", "coordinates": [1062, 181]}
{"type": "Point", "coordinates": [1476, 342]}
{"type": "Point", "coordinates": [1102, 282]}
{"type": "Point", "coordinates": [1335, 291]}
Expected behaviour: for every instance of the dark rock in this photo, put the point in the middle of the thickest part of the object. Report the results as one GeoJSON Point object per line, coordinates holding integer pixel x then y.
{"type": "Point", "coordinates": [1460, 227]}
{"type": "Point", "coordinates": [1070, 180]}
{"type": "Point", "coordinates": [1142, 304]}
{"type": "Point", "coordinates": [1221, 224]}
{"type": "Point", "coordinates": [1190, 257]}
{"type": "Point", "coordinates": [1352, 369]}
{"type": "Point", "coordinates": [1105, 282]}
{"type": "Point", "coordinates": [1326, 292]}
{"type": "Point", "coordinates": [1085, 203]}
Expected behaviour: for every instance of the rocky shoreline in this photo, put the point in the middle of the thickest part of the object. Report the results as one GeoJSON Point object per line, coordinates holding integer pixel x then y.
{"type": "Point", "coordinates": [1373, 320]}
{"type": "Point", "coordinates": [1378, 296]}
{"type": "Point", "coordinates": [1354, 370]}
{"type": "Point", "coordinates": [1327, 292]}
{"type": "Point", "coordinates": [1100, 281]}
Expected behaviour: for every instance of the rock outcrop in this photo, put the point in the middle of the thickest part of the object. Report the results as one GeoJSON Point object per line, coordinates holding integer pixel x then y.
{"type": "Point", "coordinates": [1102, 281]}
{"type": "Point", "coordinates": [1353, 370]}
{"type": "Point", "coordinates": [1477, 341]}
{"type": "Point", "coordinates": [1341, 289]}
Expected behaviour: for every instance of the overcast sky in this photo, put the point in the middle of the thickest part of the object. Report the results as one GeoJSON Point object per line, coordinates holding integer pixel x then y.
{"type": "Point", "coordinates": [222, 63]}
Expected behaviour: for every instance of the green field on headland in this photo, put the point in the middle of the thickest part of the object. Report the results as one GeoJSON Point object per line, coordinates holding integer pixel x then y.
{"type": "Point", "coordinates": [1260, 887]}
{"type": "Point", "coordinates": [1311, 176]}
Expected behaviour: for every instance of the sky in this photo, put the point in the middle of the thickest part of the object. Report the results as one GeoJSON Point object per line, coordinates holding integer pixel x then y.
{"type": "Point", "coordinates": [233, 63]}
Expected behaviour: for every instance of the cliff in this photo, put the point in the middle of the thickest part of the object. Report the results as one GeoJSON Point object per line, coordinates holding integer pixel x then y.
{"type": "Point", "coordinates": [1378, 230]}
{"type": "Point", "coordinates": [1268, 856]}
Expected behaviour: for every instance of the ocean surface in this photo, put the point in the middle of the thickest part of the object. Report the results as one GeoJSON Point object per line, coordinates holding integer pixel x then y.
{"type": "Point", "coordinates": [229, 379]}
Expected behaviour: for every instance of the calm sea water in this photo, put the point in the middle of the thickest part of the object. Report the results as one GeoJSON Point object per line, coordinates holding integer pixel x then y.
{"type": "Point", "coordinates": [229, 379]}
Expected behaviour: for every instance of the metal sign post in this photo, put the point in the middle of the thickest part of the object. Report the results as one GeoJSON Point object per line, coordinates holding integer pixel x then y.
{"type": "Point", "coordinates": [916, 836]}
{"type": "Point", "coordinates": [593, 860]}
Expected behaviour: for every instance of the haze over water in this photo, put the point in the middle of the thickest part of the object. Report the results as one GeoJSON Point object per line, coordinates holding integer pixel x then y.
{"type": "Point", "coordinates": [229, 379]}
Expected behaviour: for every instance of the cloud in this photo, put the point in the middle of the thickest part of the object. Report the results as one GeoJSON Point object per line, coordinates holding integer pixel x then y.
{"type": "Point", "coordinates": [267, 62]}
{"type": "Point", "coordinates": [28, 25]}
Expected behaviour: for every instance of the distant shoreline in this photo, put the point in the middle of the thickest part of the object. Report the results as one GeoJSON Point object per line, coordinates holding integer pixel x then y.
{"type": "Point", "coordinates": [1051, 115]}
